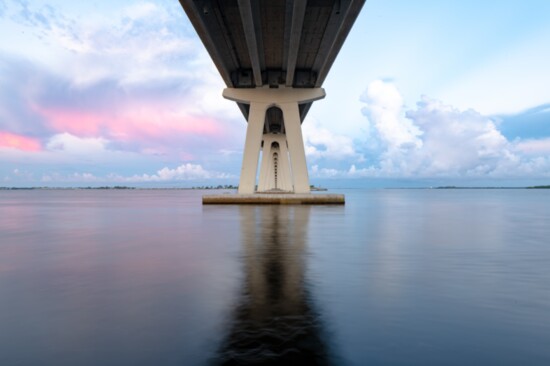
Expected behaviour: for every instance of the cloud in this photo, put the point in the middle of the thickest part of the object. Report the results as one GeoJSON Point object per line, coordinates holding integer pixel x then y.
{"type": "Point", "coordinates": [140, 48]}
{"type": "Point", "coordinates": [321, 143]}
{"type": "Point", "coordinates": [21, 81]}
{"type": "Point", "coordinates": [316, 172]}
{"type": "Point", "coordinates": [455, 142]}
{"type": "Point", "coordinates": [118, 92]}
{"type": "Point", "coordinates": [139, 78]}
{"type": "Point", "coordinates": [438, 140]}
{"type": "Point", "coordinates": [159, 117]}
{"type": "Point", "coordinates": [182, 173]}
{"type": "Point", "coordinates": [533, 146]}
{"type": "Point", "coordinates": [150, 124]}
{"type": "Point", "coordinates": [67, 143]}
{"type": "Point", "coordinates": [384, 106]}
{"type": "Point", "coordinates": [96, 48]}
{"type": "Point", "coordinates": [14, 141]}
{"type": "Point", "coordinates": [70, 178]}
{"type": "Point", "coordinates": [28, 16]}
{"type": "Point", "coordinates": [69, 153]}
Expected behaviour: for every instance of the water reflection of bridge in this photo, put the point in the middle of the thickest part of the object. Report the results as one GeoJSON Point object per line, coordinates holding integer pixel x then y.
{"type": "Point", "coordinates": [275, 322]}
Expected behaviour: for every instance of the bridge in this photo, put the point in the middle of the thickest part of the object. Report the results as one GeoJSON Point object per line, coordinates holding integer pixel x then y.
{"type": "Point", "coordinates": [273, 56]}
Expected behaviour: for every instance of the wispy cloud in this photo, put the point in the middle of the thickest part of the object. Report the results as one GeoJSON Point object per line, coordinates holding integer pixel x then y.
{"type": "Point", "coordinates": [11, 140]}
{"type": "Point", "coordinates": [2, 8]}
{"type": "Point", "coordinates": [135, 119]}
{"type": "Point", "coordinates": [135, 87]}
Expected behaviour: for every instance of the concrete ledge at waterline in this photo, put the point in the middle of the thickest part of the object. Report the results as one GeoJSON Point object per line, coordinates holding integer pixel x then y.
{"type": "Point", "coordinates": [274, 199]}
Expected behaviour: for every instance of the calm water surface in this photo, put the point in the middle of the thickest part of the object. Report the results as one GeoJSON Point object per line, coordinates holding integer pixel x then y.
{"type": "Point", "coordinates": [395, 277]}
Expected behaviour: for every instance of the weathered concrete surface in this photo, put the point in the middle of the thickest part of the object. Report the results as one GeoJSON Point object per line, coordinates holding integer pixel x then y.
{"type": "Point", "coordinates": [274, 199]}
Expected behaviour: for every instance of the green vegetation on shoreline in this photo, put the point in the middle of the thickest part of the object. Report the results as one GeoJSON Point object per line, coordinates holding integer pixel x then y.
{"type": "Point", "coordinates": [455, 187]}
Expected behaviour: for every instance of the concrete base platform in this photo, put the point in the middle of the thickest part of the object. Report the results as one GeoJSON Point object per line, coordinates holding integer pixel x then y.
{"type": "Point", "coordinates": [274, 199]}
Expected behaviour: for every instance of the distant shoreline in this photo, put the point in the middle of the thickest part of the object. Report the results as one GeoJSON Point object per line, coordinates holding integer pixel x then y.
{"type": "Point", "coordinates": [111, 188]}
{"type": "Point", "coordinates": [231, 187]}
{"type": "Point", "coordinates": [530, 187]}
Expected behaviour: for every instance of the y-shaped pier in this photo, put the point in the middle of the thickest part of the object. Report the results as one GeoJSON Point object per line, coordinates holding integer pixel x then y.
{"type": "Point", "coordinates": [278, 134]}
{"type": "Point", "coordinates": [274, 57]}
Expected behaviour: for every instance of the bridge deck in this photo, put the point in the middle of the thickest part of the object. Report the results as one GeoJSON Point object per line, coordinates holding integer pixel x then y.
{"type": "Point", "coordinates": [277, 42]}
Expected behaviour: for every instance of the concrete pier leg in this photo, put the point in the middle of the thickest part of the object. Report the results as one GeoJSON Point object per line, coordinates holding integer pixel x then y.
{"type": "Point", "coordinates": [252, 146]}
{"type": "Point", "coordinates": [285, 175]}
{"type": "Point", "coordinates": [263, 184]}
{"type": "Point", "coordinates": [268, 178]}
{"type": "Point", "coordinates": [291, 116]}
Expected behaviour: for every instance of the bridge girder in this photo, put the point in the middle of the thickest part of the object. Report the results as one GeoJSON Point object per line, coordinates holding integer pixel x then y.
{"type": "Point", "coordinates": [290, 43]}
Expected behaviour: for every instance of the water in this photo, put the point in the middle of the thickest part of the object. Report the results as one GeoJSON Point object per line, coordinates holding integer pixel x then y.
{"type": "Point", "coordinates": [396, 277]}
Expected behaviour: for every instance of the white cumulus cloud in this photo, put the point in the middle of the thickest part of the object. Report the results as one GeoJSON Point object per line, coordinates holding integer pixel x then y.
{"type": "Point", "coordinates": [322, 143]}
{"type": "Point", "coordinates": [455, 142]}
{"type": "Point", "coordinates": [71, 144]}
{"type": "Point", "coordinates": [384, 107]}
{"type": "Point", "coordinates": [438, 140]}
{"type": "Point", "coordinates": [186, 171]}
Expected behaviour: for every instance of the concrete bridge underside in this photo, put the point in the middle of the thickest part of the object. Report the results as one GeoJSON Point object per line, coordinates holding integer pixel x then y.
{"type": "Point", "coordinates": [273, 56]}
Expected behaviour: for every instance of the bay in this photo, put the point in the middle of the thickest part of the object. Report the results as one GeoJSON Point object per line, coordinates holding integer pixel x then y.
{"type": "Point", "coordinates": [394, 277]}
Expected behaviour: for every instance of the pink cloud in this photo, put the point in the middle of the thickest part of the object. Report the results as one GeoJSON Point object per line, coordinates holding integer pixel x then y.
{"type": "Point", "coordinates": [130, 123]}
{"type": "Point", "coordinates": [79, 123]}
{"type": "Point", "coordinates": [160, 122]}
{"type": "Point", "coordinates": [19, 142]}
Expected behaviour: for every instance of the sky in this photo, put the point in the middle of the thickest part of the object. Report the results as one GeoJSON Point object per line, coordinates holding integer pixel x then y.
{"type": "Point", "coordinates": [423, 92]}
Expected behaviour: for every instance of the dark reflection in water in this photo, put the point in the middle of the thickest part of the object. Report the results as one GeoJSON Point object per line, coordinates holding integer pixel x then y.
{"type": "Point", "coordinates": [275, 321]}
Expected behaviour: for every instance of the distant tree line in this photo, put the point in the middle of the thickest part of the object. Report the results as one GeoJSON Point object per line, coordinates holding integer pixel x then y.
{"type": "Point", "coordinates": [226, 186]}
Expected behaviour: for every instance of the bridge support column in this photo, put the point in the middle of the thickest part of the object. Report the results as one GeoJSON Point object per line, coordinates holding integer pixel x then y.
{"type": "Point", "coordinates": [275, 173]}
{"type": "Point", "coordinates": [252, 144]}
{"type": "Point", "coordinates": [288, 100]}
{"type": "Point", "coordinates": [291, 115]}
